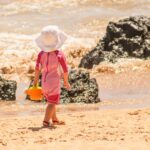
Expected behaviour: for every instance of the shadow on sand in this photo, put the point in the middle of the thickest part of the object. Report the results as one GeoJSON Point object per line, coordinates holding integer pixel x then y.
{"type": "Point", "coordinates": [42, 127]}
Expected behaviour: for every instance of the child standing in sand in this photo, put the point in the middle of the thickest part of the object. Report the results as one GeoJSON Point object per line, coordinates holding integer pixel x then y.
{"type": "Point", "coordinates": [51, 62]}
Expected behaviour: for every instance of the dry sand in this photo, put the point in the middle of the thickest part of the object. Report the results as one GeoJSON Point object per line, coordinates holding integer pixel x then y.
{"type": "Point", "coordinates": [90, 130]}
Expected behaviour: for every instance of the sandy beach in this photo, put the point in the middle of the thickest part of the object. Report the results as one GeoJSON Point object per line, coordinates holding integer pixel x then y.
{"type": "Point", "coordinates": [91, 130]}
{"type": "Point", "coordinates": [121, 121]}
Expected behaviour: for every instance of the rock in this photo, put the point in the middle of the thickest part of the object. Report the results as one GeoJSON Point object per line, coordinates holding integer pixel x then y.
{"type": "Point", "coordinates": [129, 37]}
{"type": "Point", "coordinates": [7, 89]}
{"type": "Point", "coordinates": [83, 89]}
{"type": "Point", "coordinates": [94, 57]}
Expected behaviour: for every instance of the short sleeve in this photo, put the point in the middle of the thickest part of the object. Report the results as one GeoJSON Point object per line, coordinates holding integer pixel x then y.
{"type": "Point", "coordinates": [62, 61]}
{"type": "Point", "coordinates": [38, 61]}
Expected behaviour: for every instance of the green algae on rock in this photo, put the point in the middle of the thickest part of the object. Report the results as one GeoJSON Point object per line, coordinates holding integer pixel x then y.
{"type": "Point", "coordinates": [7, 89]}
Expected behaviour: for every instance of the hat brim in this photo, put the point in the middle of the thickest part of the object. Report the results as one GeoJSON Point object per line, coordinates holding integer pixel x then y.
{"type": "Point", "coordinates": [62, 37]}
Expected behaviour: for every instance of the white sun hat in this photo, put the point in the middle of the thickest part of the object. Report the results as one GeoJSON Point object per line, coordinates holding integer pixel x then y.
{"type": "Point", "coordinates": [51, 38]}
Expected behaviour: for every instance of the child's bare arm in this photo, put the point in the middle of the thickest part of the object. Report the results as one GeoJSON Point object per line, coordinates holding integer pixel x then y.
{"type": "Point", "coordinates": [37, 69]}
{"type": "Point", "coordinates": [36, 77]}
{"type": "Point", "coordinates": [62, 61]}
{"type": "Point", "coordinates": [66, 82]}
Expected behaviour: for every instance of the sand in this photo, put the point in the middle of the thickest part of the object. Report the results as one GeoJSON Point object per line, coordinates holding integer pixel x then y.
{"type": "Point", "coordinates": [90, 130]}
{"type": "Point", "coordinates": [115, 129]}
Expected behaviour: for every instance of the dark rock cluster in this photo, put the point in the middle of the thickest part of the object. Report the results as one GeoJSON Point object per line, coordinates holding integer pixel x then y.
{"type": "Point", "coordinates": [7, 89]}
{"type": "Point", "coordinates": [83, 89]}
{"type": "Point", "coordinates": [129, 37]}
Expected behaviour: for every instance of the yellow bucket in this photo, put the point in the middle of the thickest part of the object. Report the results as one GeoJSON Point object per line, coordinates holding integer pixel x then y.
{"type": "Point", "coordinates": [35, 93]}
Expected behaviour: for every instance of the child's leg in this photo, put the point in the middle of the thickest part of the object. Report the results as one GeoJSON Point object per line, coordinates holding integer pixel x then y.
{"type": "Point", "coordinates": [54, 117]}
{"type": "Point", "coordinates": [55, 120]}
{"type": "Point", "coordinates": [49, 112]}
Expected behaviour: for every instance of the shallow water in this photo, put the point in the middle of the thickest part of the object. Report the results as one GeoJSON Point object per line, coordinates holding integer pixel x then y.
{"type": "Point", "coordinates": [116, 91]}
{"type": "Point", "coordinates": [134, 85]}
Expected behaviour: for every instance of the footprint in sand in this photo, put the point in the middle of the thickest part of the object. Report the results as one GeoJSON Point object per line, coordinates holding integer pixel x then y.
{"type": "Point", "coordinates": [79, 135]}
{"type": "Point", "coordinates": [134, 112]}
{"type": "Point", "coordinates": [146, 138]}
{"type": "Point", "coordinates": [91, 126]}
{"type": "Point", "coordinates": [41, 141]}
{"type": "Point", "coordinates": [3, 142]}
{"type": "Point", "coordinates": [80, 116]}
{"type": "Point", "coordinates": [100, 126]}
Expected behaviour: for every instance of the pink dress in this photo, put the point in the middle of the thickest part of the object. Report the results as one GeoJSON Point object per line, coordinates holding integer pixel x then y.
{"type": "Point", "coordinates": [50, 64]}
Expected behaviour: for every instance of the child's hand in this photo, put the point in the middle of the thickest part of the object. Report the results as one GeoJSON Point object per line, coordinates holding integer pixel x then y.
{"type": "Point", "coordinates": [67, 86]}
{"type": "Point", "coordinates": [35, 83]}
{"type": "Point", "coordinates": [36, 77]}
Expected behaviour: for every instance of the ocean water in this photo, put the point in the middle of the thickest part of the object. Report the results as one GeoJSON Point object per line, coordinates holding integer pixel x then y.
{"type": "Point", "coordinates": [28, 17]}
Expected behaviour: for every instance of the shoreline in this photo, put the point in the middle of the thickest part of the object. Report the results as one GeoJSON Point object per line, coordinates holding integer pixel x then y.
{"type": "Point", "coordinates": [116, 90]}
{"type": "Point", "coordinates": [38, 109]}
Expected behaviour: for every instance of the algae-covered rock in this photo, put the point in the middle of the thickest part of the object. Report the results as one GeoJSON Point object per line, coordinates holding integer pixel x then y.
{"type": "Point", "coordinates": [83, 89]}
{"type": "Point", "coordinates": [7, 89]}
{"type": "Point", "coordinates": [129, 37]}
